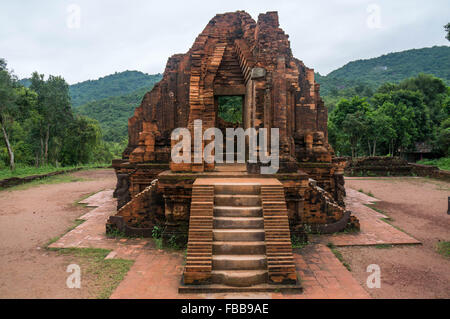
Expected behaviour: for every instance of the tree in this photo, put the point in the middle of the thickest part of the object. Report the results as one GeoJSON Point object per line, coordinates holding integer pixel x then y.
{"type": "Point", "coordinates": [353, 126]}
{"type": "Point", "coordinates": [443, 137]}
{"type": "Point", "coordinates": [348, 124]}
{"type": "Point", "coordinates": [447, 29]}
{"type": "Point", "coordinates": [3, 64]}
{"type": "Point", "coordinates": [7, 105]}
{"type": "Point", "coordinates": [434, 93]}
{"type": "Point", "coordinates": [380, 129]}
{"type": "Point", "coordinates": [81, 137]}
{"type": "Point", "coordinates": [418, 113]}
{"type": "Point", "coordinates": [403, 125]}
{"type": "Point", "coordinates": [54, 108]}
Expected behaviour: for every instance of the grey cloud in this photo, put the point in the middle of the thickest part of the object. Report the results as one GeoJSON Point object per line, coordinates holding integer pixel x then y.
{"type": "Point", "coordinates": [141, 35]}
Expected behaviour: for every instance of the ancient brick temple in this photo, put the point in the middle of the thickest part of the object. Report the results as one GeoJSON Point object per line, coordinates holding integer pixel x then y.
{"type": "Point", "coordinates": [237, 221]}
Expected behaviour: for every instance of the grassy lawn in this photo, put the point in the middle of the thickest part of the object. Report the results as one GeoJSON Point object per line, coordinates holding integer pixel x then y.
{"type": "Point", "coordinates": [443, 163]}
{"type": "Point", "coordinates": [24, 170]}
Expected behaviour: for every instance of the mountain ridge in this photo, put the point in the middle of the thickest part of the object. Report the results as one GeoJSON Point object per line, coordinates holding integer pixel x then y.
{"type": "Point", "coordinates": [391, 67]}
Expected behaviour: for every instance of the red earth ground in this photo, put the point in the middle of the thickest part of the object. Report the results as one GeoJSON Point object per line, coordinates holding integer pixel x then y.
{"type": "Point", "coordinates": [29, 218]}
{"type": "Point", "coordinates": [417, 206]}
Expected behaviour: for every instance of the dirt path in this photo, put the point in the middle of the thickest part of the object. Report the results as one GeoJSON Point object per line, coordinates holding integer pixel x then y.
{"type": "Point", "coordinates": [29, 218]}
{"type": "Point", "coordinates": [418, 206]}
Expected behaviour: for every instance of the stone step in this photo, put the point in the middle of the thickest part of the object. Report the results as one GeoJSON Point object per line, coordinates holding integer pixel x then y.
{"type": "Point", "coordinates": [239, 278]}
{"type": "Point", "coordinates": [238, 222]}
{"type": "Point", "coordinates": [241, 189]}
{"type": "Point", "coordinates": [239, 247]}
{"type": "Point", "coordinates": [232, 167]}
{"type": "Point", "coordinates": [239, 262]}
{"type": "Point", "coordinates": [238, 234]}
{"type": "Point", "coordinates": [237, 200]}
{"type": "Point", "coordinates": [237, 211]}
{"type": "Point", "coordinates": [219, 288]}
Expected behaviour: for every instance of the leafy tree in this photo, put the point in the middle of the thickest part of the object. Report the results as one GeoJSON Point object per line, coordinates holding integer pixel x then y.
{"type": "Point", "coordinates": [349, 123]}
{"type": "Point", "coordinates": [394, 119]}
{"type": "Point", "coordinates": [380, 129]}
{"type": "Point", "coordinates": [3, 64]}
{"type": "Point", "coordinates": [54, 107]}
{"type": "Point", "coordinates": [7, 107]}
{"type": "Point", "coordinates": [82, 135]}
{"type": "Point", "coordinates": [352, 126]}
{"type": "Point", "coordinates": [443, 137]}
{"type": "Point", "coordinates": [403, 128]}
{"type": "Point", "coordinates": [418, 112]}
{"type": "Point", "coordinates": [447, 29]}
{"type": "Point", "coordinates": [434, 93]}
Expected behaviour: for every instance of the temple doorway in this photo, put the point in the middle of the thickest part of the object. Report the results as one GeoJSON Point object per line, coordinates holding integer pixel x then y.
{"type": "Point", "coordinates": [230, 114]}
{"type": "Point", "coordinates": [229, 109]}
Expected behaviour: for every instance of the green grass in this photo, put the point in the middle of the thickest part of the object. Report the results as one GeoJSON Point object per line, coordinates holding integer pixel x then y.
{"type": "Point", "coordinates": [443, 248]}
{"type": "Point", "coordinates": [372, 206]}
{"type": "Point", "coordinates": [82, 198]}
{"type": "Point", "coordinates": [368, 193]}
{"type": "Point", "coordinates": [77, 222]}
{"type": "Point", "coordinates": [64, 178]}
{"type": "Point", "coordinates": [339, 256]}
{"type": "Point", "coordinates": [443, 163]}
{"type": "Point", "coordinates": [158, 243]}
{"type": "Point", "coordinates": [25, 170]}
{"type": "Point", "coordinates": [105, 273]}
{"type": "Point", "coordinates": [389, 221]}
{"type": "Point", "coordinates": [384, 246]}
{"type": "Point", "coordinates": [297, 243]}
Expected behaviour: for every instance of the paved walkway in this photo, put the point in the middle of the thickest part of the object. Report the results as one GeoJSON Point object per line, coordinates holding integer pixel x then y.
{"type": "Point", "coordinates": [91, 233]}
{"type": "Point", "coordinates": [157, 273]}
{"type": "Point", "coordinates": [374, 231]}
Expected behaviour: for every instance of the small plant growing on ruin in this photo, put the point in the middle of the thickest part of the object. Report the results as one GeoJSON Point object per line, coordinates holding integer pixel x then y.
{"type": "Point", "coordinates": [156, 232]}
{"type": "Point", "coordinates": [156, 235]}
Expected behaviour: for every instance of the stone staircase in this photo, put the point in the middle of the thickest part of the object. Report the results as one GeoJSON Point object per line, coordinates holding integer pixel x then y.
{"type": "Point", "coordinates": [239, 257]}
{"type": "Point", "coordinates": [245, 239]}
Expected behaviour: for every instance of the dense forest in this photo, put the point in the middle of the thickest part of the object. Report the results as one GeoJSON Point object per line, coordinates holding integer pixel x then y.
{"type": "Point", "coordinates": [394, 119]}
{"type": "Point", "coordinates": [116, 84]}
{"type": "Point", "coordinates": [113, 113]}
{"type": "Point", "coordinates": [39, 127]}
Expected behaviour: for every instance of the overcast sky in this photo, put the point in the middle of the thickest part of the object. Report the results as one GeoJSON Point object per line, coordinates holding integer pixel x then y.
{"type": "Point", "coordinates": [83, 40]}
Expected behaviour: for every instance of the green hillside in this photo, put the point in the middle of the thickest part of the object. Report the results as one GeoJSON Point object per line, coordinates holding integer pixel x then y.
{"type": "Point", "coordinates": [113, 113]}
{"type": "Point", "coordinates": [392, 67]}
{"type": "Point", "coordinates": [116, 84]}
